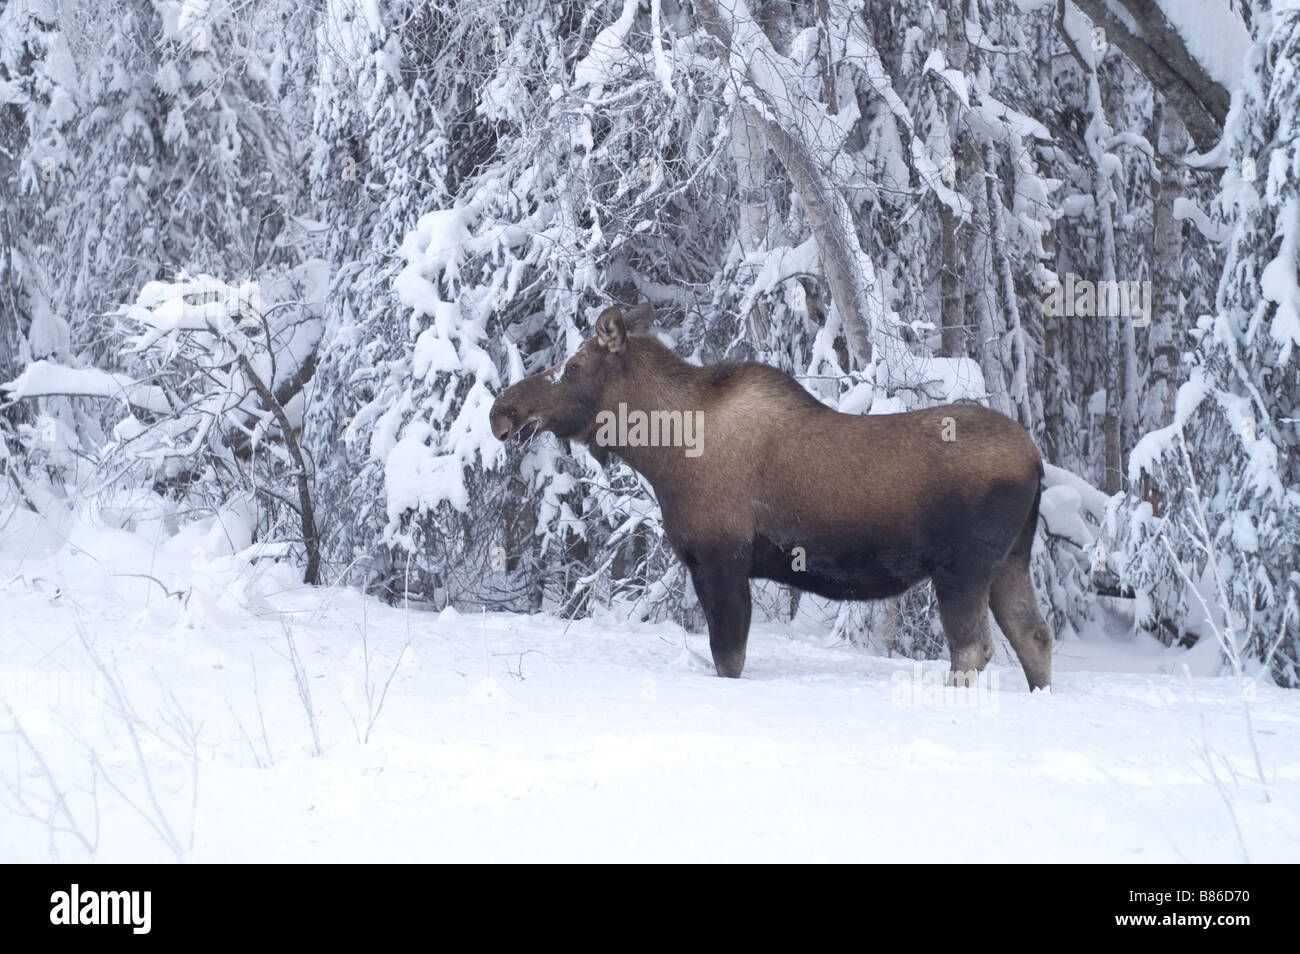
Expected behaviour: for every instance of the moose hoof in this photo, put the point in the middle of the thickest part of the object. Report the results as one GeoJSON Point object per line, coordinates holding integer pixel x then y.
{"type": "Point", "coordinates": [730, 668]}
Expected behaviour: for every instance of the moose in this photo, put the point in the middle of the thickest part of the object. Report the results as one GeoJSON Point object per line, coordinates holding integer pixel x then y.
{"type": "Point", "coordinates": [775, 485]}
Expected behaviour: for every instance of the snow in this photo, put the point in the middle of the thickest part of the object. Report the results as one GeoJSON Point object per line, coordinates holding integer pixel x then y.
{"type": "Point", "coordinates": [1079, 29]}
{"type": "Point", "coordinates": [1214, 35]}
{"type": "Point", "coordinates": [414, 477]}
{"type": "Point", "coordinates": [46, 378]}
{"type": "Point", "coordinates": [1000, 122]}
{"type": "Point", "coordinates": [1092, 500]}
{"type": "Point", "coordinates": [530, 738]}
{"type": "Point", "coordinates": [805, 44]}
{"type": "Point", "coordinates": [951, 380]}
{"type": "Point", "coordinates": [776, 265]}
{"type": "Point", "coordinates": [604, 62]}
{"type": "Point", "coordinates": [1076, 205]}
{"type": "Point", "coordinates": [1061, 508]}
{"type": "Point", "coordinates": [663, 63]}
{"type": "Point", "coordinates": [1185, 209]}
{"type": "Point", "coordinates": [955, 79]}
{"type": "Point", "coordinates": [433, 251]}
{"type": "Point", "coordinates": [433, 354]}
{"type": "Point", "coordinates": [1278, 282]}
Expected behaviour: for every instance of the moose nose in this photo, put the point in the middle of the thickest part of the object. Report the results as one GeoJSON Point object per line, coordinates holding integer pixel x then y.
{"type": "Point", "coordinates": [502, 420]}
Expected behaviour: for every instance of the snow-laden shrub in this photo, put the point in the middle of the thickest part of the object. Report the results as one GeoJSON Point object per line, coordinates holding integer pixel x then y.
{"type": "Point", "coordinates": [209, 408]}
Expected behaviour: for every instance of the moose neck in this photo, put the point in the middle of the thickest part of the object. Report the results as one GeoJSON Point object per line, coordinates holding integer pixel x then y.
{"type": "Point", "coordinates": [656, 410]}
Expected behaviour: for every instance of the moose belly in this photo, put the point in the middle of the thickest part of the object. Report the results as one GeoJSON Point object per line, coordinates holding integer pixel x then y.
{"type": "Point", "coordinates": [840, 571]}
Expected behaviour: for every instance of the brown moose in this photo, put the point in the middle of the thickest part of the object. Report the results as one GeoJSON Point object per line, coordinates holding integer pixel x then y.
{"type": "Point", "coordinates": [781, 487]}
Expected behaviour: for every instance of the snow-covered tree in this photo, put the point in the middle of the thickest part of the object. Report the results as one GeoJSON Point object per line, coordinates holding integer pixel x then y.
{"type": "Point", "coordinates": [1228, 466]}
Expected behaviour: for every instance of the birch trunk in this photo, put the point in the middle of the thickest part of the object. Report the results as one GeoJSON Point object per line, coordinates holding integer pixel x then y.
{"type": "Point", "coordinates": [748, 152]}
{"type": "Point", "coordinates": [954, 243]}
{"type": "Point", "coordinates": [1102, 192]}
{"type": "Point", "coordinates": [1166, 302]}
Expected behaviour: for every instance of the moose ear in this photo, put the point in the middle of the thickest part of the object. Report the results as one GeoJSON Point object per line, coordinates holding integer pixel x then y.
{"type": "Point", "coordinates": [639, 319]}
{"type": "Point", "coordinates": [611, 333]}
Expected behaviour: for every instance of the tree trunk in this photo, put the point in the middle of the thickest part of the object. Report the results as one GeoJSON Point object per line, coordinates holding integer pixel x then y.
{"type": "Point", "coordinates": [748, 153]}
{"type": "Point", "coordinates": [1159, 52]}
{"type": "Point", "coordinates": [1166, 302]}
{"type": "Point", "coordinates": [1013, 351]}
{"type": "Point", "coordinates": [855, 290]}
{"type": "Point", "coordinates": [1102, 192]}
{"type": "Point", "coordinates": [954, 244]}
{"type": "Point", "coordinates": [306, 512]}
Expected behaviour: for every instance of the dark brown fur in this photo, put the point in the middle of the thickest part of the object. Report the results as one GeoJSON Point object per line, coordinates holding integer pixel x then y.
{"type": "Point", "coordinates": [877, 502]}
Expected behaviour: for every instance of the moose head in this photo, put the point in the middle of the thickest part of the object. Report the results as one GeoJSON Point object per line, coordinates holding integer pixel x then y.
{"type": "Point", "coordinates": [566, 398]}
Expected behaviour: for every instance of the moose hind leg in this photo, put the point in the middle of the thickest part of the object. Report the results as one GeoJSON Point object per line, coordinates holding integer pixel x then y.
{"type": "Point", "coordinates": [964, 612]}
{"type": "Point", "coordinates": [1015, 607]}
{"type": "Point", "coordinates": [723, 591]}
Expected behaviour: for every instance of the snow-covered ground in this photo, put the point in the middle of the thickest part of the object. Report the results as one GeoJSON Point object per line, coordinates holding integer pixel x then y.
{"type": "Point", "coordinates": [531, 738]}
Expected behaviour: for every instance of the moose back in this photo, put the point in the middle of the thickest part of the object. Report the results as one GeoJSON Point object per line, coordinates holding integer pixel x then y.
{"type": "Point", "coordinates": [756, 478]}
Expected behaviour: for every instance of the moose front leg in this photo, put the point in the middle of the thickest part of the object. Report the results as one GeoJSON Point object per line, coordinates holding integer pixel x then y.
{"type": "Point", "coordinates": [723, 590]}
